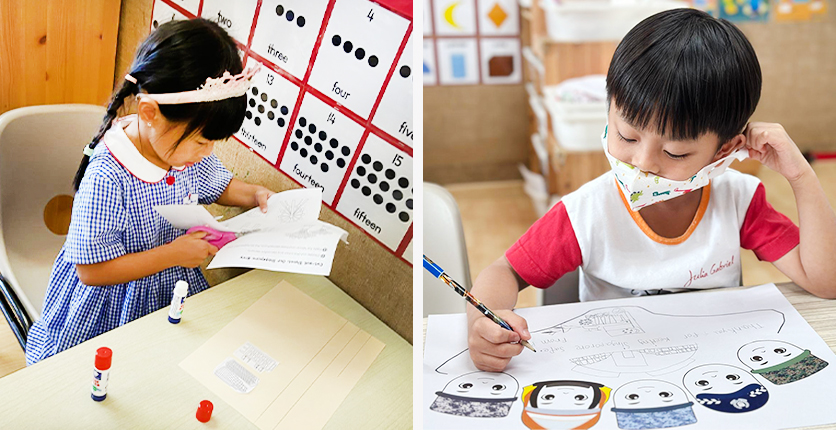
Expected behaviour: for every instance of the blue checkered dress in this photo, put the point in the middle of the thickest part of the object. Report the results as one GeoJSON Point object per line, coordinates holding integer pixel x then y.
{"type": "Point", "coordinates": [113, 216]}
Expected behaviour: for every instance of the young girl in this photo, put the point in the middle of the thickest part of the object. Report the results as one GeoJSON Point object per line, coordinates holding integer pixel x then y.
{"type": "Point", "coordinates": [121, 259]}
{"type": "Point", "coordinates": [681, 88]}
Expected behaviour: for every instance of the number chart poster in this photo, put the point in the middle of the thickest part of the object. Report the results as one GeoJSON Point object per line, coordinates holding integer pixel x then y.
{"type": "Point", "coordinates": [469, 42]}
{"type": "Point", "coordinates": [331, 107]}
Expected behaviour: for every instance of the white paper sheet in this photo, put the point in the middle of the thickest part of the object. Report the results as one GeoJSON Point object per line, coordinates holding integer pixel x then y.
{"type": "Point", "coordinates": [727, 359]}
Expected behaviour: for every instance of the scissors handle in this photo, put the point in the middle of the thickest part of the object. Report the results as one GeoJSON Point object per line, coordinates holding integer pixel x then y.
{"type": "Point", "coordinates": [214, 237]}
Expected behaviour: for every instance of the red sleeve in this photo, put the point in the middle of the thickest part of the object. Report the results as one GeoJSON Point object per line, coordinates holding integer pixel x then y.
{"type": "Point", "coordinates": [766, 231]}
{"type": "Point", "coordinates": [547, 251]}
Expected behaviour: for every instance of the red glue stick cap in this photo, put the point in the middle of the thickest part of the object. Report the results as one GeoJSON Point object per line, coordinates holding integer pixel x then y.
{"type": "Point", "coordinates": [103, 357]}
{"type": "Point", "coordinates": [204, 412]}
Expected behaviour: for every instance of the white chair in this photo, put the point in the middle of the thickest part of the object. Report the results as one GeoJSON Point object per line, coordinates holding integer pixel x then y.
{"type": "Point", "coordinates": [40, 148]}
{"type": "Point", "coordinates": [444, 244]}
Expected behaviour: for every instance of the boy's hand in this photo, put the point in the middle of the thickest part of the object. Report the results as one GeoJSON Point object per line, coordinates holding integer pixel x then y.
{"type": "Point", "coordinates": [261, 197]}
{"type": "Point", "coordinates": [190, 249]}
{"type": "Point", "coordinates": [770, 144]}
{"type": "Point", "coordinates": [491, 346]}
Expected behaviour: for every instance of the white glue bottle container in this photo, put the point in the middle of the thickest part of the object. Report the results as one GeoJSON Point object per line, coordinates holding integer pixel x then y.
{"type": "Point", "coordinates": [101, 373]}
{"type": "Point", "coordinates": [181, 290]}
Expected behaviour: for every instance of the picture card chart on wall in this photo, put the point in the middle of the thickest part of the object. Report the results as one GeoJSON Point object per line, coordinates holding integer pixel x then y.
{"type": "Point", "coordinates": [470, 42]}
{"type": "Point", "coordinates": [331, 106]}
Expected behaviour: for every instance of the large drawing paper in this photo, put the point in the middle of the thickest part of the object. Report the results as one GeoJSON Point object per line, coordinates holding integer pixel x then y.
{"type": "Point", "coordinates": [320, 357]}
{"type": "Point", "coordinates": [728, 359]}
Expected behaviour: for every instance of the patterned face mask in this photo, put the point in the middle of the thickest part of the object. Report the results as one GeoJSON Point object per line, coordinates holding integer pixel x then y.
{"type": "Point", "coordinates": [643, 189]}
{"type": "Point", "coordinates": [748, 398]}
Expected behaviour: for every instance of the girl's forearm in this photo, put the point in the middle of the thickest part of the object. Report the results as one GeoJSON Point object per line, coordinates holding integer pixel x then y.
{"type": "Point", "coordinates": [239, 193]}
{"type": "Point", "coordinates": [817, 225]}
{"type": "Point", "coordinates": [127, 268]}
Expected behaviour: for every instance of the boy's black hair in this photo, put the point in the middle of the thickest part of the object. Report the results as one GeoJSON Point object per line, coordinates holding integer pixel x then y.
{"type": "Point", "coordinates": [683, 74]}
{"type": "Point", "coordinates": [179, 56]}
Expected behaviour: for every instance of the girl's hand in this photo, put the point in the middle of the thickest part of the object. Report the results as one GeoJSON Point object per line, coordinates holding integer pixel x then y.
{"type": "Point", "coordinates": [189, 250]}
{"type": "Point", "coordinates": [491, 346]}
{"type": "Point", "coordinates": [770, 144]}
{"type": "Point", "coordinates": [261, 196]}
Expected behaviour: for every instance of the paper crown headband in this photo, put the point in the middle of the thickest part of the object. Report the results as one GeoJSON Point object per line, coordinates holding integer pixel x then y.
{"type": "Point", "coordinates": [224, 87]}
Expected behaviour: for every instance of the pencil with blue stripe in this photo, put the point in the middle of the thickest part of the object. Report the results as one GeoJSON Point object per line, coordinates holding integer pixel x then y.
{"type": "Point", "coordinates": [438, 272]}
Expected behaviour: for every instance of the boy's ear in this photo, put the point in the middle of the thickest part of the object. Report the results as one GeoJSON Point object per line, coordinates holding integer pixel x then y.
{"type": "Point", "coordinates": [732, 145]}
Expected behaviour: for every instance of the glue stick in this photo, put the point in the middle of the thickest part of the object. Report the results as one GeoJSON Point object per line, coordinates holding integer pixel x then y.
{"type": "Point", "coordinates": [101, 373]}
{"type": "Point", "coordinates": [181, 290]}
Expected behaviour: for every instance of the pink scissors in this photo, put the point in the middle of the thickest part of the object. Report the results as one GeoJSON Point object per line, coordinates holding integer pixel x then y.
{"type": "Point", "coordinates": [214, 237]}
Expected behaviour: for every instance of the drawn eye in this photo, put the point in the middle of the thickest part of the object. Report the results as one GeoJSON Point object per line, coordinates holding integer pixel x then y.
{"type": "Point", "coordinates": [580, 397]}
{"type": "Point", "coordinates": [665, 394]}
{"type": "Point", "coordinates": [732, 377]}
{"type": "Point", "coordinates": [466, 385]}
{"type": "Point", "coordinates": [632, 396]}
{"type": "Point", "coordinates": [780, 350]}
{"type": "Point", "coordinates": [549, 397]}
{"type": "Point", "coordinates": [702, 383]}
{"type": "Point", "coordinates": [498, 387]}
{"type": "Point", "coordinates": [757, 358]}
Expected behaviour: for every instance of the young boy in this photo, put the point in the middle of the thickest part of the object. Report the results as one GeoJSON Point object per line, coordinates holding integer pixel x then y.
{"type": "Point", "coordinates": [681, 88]}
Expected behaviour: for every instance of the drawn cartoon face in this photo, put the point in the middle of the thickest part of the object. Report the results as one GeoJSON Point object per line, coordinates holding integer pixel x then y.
{"type": "Point", "coordinates": [564, 397]}
{"type": "Point", "coordinates": [646, 394]}
{"type": "Point", "coordinates": [483, 385]}
{"type": "Point", "coordinates": [767, 353]}
{"type": "Point", "coordinates": [725, 388]}
{"type": "Point", "coordinates": [563, 404]}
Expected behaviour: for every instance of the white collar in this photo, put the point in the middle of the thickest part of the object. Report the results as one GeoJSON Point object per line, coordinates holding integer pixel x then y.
{"type": "Point", "coordinates": [124, 151]}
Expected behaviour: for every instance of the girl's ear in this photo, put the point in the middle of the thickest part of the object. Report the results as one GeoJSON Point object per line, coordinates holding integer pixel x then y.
{"type": "Point", "coordinates": [732, 145]}
{"type": "Point", "coordinates": [148, 110]}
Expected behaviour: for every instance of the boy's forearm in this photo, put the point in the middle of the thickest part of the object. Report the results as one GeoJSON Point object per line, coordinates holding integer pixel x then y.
{"type": "Point", "coordinates": [817, 225]}
{"type": "Point", "coordinates": [239, 193]}
{"type": "Point", "coordinates": [497, 287]}
{"type": "Point", "coordinates": [126, 268]}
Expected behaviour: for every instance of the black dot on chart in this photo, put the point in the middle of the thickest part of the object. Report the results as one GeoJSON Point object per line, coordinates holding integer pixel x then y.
{"type": "Point", "coordinates": [281, 122]}
{"type": "Point", "coordinates": [384, 186]}
{"type": "Point", "coordinates": [156, 24]}
{"type": "Point", "coordinates": [298, 134]}
{"type": "Point", "coordinates": [405, 71]}
{"type": "Point", "coordinates": [361, 170]}
{"type": "Point", "coordinates": [403, 182]}
{"type": "Point", "coordinates": [284, 110]}
{"type": "Point", "coordinates": [397, 194]}
{"type": "Point", "coordinates": [355, 183]}
{"type": "Point", "coordinates": [289, 15]}
{"type": "Point", "coordinates": [390, 207]}
{"type": "Point", "coordinates": [372, 178]}
{"type": "Point", "coordinates": [334, 144]}
{"type": "Point", "coordinates": [274, 103]}
{"type": "Point", "coordinates": [377, 165]}
{"type": "Point", "coordinates": [318, 147]}
{"type": "Point", "coordinates": [271, 116]}
{"type": "Point", "coordinates": [403, 216]}
{"type": "Point", "coordinates": [294, 146]}
{"type": "Point", "coordinates": [300, 21]}
{"type": "Point", "coordinates": [252, 102]}
{"type": "Point", "coordinates": [255, 91]}
{"type": "Point", "coordinates": [324, 167]}
{"type": "Point", "coordinates": [308, 140]}
{"type": "Point", "coordinates": [336, 40]}
{"type": "Point", "coordinates": [323, 135]}
{"type": "Point", "coordinates": [373, 61]}
{"type": "Point", "coordinates": [329, 155]}
{"type": "Point", "coordinates": [390, 174]}
{"type": "Point", "coordinates": [303, 152]}
{"type": "Point", "coordinates": [260, 109]}
{"type": "Point", "coordinates": [264, 97]}
{"type": "Point", "coordinates": [345, 151]}
{"type": "Point", "coordinates": [377, 199]}
{"type": "Point", "coordinates": [409, 203]}
{"type": "Point", "coordinates": [302, 121]}
{"type": "Point", "coordinates": [366, 191]}
{"type": "Point", "coordinates": [279, 10]}
{"type": "Point", "coordinates": [313, 159]}
{"type": "Point", "coordinates": [360, 53]}
{"type": "Point", "coordinates": [249, 115]}
{"type": "Point", "coordinates": [340, 163]}
{"type": "Point", "coordinates": [347, 46]}
{"type": "Point", "coordinates": [257, 121]}
{"type": "Point", "coordinates": [312, 128]}
{"type": "Point", "coordinates": [366, 158]}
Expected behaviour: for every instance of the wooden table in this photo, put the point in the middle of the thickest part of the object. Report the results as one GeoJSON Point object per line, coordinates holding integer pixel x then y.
{"type": "Point", "coordinates": [149, 390]}
{"type": "Point", "coordinates": [819, 313]}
